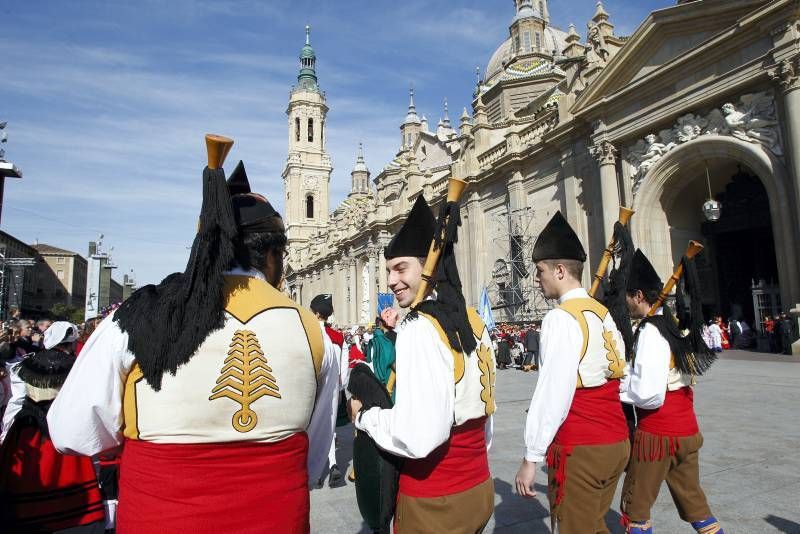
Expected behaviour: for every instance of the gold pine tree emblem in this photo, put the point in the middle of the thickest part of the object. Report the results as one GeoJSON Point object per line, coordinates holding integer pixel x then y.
{"type": "Point", "coordinates": [245, 377]}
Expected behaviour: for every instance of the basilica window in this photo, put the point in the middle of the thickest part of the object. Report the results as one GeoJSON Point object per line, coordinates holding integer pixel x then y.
{"type": "Point", "coordinates": [310, 130]}
{"type": "Point", "coordinates": [541, 8]}
{"type": "Point", "coordinates": [527, 40]}
{"type": "Point", "coordinates": [297, 129]}
{"type": "Point", "coordinates": [310, 207]}
{"type": "Point", "coordinates": [538, 40]}
{"type": "Point", "coordinates": [516, 44]}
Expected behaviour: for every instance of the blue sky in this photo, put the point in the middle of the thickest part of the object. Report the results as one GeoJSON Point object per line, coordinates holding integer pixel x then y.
{"type": "Point", "coordinates": [107, 101]}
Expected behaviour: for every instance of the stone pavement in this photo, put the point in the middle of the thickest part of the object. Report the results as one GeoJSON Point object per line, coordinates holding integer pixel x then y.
{"type": "Point", "coordinates": [747, 407]}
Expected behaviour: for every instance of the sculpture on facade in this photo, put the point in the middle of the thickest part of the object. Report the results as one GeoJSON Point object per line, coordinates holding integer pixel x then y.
{"type": "Point", "coordinates": [753, 119]}
{"type": "Point", "coordinates": [597, 53]}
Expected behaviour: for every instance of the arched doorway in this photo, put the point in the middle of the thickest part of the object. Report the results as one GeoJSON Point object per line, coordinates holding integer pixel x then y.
{"type": "Point", "coordinates": [755, 239]}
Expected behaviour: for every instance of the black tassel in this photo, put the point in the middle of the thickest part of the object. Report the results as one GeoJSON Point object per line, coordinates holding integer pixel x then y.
{"type": "Point", "coordinates": [615, 289]}
{"type": "Point", "coordinates": [684, 333]}
{"type": "Point", "coordinates": [167, 323]}
{"type": "Point", "coordinates": [450, 307]}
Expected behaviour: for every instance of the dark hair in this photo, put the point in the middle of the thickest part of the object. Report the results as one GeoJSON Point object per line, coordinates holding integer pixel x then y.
{"type": "Point", "coordinates": [250, 250]}
{"type": "Point", "coordinates": [650, 295]}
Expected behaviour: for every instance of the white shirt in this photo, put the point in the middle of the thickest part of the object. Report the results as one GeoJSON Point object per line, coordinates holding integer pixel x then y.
{"type": "Point", "coordinates": [646, 383]}
{"type": "Point", "coordinates": [87, 416]}
{"type": "Point", "coordinates": [424, 414]}
{"type": "Point", "coordinates": [18, 392]}
{"type": "Point", "coordinates": [560, 345]}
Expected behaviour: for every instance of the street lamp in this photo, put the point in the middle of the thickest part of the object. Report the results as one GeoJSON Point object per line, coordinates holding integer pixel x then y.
{"type": "Point", "coordinates": [712, 209]}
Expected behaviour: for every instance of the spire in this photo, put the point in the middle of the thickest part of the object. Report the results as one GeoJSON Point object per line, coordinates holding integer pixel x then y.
{"type": "Point", "coordinates": [361, 165]}
{"type": "Point", "coordinates": [307, 78]}
{"type": "Point", "coordinates": [411, 117]}
{"type": "Point", "coordinates": [572, 35]}
{"type": "Point", "coordinates": [600, 14]}
{"type": "Point", "coordinates": [446, 120]}
{"type": "Point", "coordinates": [360, 173]}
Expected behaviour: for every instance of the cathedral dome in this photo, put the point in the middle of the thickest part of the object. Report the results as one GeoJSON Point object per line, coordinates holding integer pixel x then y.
{"type": "Point", "coordinates": [500, 56]}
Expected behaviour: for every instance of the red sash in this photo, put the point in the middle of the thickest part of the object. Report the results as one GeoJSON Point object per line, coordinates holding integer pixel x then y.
{"type": "Point", "coordinates": [43, 490]}
{"type": "Point", "coordinates": [675, 417]}
{"type": "Point", "coordinates": [457, 465]}
{"type": "Point", "coordinates": [595, 417]}
{"type": "Point", "coordinates": [241, 487]}
{"type": "Point", "coordinates": [336, 337]}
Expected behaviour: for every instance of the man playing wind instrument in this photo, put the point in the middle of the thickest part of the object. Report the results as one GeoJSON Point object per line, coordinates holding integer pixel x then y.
{"type": "Point", "coordinates": [667, 441]}
{"type": "Point", "coordinates": [575, 420]}
{"type": "Point", "coordinates": [219, 386]}
{"type": "Point", "coordinates": [441, 421]}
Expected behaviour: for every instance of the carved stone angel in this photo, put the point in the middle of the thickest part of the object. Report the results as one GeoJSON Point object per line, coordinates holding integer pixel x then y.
{"type": "Point", "coordinates": [754, 121]}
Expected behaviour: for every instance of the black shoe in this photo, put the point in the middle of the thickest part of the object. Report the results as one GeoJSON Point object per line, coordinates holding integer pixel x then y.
{"type": "Point", "coordinates": [336, 480]}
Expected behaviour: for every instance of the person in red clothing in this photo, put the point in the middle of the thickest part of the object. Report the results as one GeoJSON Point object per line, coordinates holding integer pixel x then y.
{"type": "Point", "coordinates": [575, 421]}
{"type": "Point", "coordinates": [667, 441]}
{"type": "Point", "coordinates": [42, 490]}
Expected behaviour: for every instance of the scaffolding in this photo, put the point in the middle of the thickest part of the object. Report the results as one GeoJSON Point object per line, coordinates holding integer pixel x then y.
{"type": "Point", "coordinates": [512, 289]}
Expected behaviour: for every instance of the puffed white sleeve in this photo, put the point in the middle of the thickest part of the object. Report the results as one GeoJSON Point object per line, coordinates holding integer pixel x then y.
{"type": "Point", "coordinates": [86, 417]}
{"type": "Point", "coordinates": [646, 384]}
{"type": "Point", "coordinates": [560, 347]}
{"type": "Point", "coordinates": [18, 392]}
{"type": "Point", "coordinates": [422, 417]}
{"type": "Point", "coordinates": [323, 419]}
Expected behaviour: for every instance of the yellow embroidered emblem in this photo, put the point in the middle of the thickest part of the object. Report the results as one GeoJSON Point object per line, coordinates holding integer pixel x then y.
{"type": "Point", "coordinates": [486, 365]}
{"type": "Point", "coordinates": [616, 363]}
{"type": "Point", "coordinates": [245, 377]}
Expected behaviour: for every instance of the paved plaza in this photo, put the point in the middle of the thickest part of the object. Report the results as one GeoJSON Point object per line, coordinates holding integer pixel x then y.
{"type": "Point", "coordinates": [747, 409]}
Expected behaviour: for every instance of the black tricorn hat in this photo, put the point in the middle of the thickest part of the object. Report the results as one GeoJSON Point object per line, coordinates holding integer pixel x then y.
{"type": "Point", "coordinates": [323, 305]}
{"type": "Point", "coordinates": [643, 276]}
{"type": "Point", "coordinates": [415, 236]}
{"type": "Point", "coordinates": [252, 212]}
{"type": "Point", "coordinates": [558, 241]}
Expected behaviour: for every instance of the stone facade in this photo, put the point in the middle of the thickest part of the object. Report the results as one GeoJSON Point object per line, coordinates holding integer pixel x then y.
{"type": "Point", "coordinates": [584, 125]}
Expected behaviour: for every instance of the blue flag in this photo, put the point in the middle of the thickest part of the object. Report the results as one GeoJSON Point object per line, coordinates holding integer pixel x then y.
{"type": "Point", "coordinates": [485, 310]}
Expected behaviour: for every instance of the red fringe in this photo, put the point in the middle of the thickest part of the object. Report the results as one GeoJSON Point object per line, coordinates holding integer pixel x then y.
{"type": "Point", "coordinates": [653, 447]}
{"type": "Point", "coordinates": [557, 459]}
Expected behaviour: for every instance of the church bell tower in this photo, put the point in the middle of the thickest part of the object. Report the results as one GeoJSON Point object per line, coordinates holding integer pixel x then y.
{"type": "Point", "coordinates": [308, 168]}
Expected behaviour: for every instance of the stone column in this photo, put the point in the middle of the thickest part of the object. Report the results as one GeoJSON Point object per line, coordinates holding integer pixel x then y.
{"type": "Point", "coordinates": [355, 293]}
{"type": "Point", "coordinates": [382, 277]}
{"type": "Point", "coordinates": [786, 74]}
{"type": "Point", "coordinates": [476, 245]}
{"type": "Point", "coordinates": [606, 156]}
{"type": "Point", "coordinates": [373, 282]}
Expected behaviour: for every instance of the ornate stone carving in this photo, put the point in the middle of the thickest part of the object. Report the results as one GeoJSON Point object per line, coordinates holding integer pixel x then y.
{"type": "Point", "coordinates": [597, 53]}
{"type": "Point", "coordinates": [752, 119]}
{"type": "Point", "coordinates": [604, 152]}
{"type": "Point", "coordinates": [310, 182]}
{"type": "Point", "coordinates": [787, 73]}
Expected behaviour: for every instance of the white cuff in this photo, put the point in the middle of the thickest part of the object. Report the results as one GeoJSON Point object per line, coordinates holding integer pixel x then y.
{"type": "Point", "coordinates": [534, 457]}
{"type": "Point", "coordinates": [367, 415]}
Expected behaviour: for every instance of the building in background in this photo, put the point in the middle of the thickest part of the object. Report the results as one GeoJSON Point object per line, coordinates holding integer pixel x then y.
{"type": "Point", "coordinates": [692, 121]}
{"type": "Point", "coordinates": [59, 279]}
{"type": "Point", "coordinates": [101, 289]}
{"type": "Point", "coordinates": [17, 281]}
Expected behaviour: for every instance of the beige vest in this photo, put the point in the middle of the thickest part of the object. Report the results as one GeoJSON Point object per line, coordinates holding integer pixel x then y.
{"type": "Point", "coordinates": [255, 379]}
{"type": "Point", "coordinates": [474, 375]}
{"type": "Point", "coordinates": [602, 353]}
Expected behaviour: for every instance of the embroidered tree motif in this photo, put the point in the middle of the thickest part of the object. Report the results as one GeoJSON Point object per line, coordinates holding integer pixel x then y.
{"type": "Point", "coordinates": [616, 362]}
{"type": "Point", "coordinates": [245, 377]}
{"type": "Point", "coordinates": [486, 365]}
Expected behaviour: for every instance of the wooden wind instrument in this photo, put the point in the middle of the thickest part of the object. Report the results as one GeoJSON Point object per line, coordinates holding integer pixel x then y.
{"type": "Point", "coordinates": [692, 250]}
{"type": "Point", "coordinates": [218, 147]}
{"type": "Point", "coordinates": [455, 188]}
{"type": "Point", "coordinates": [625, 215]}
